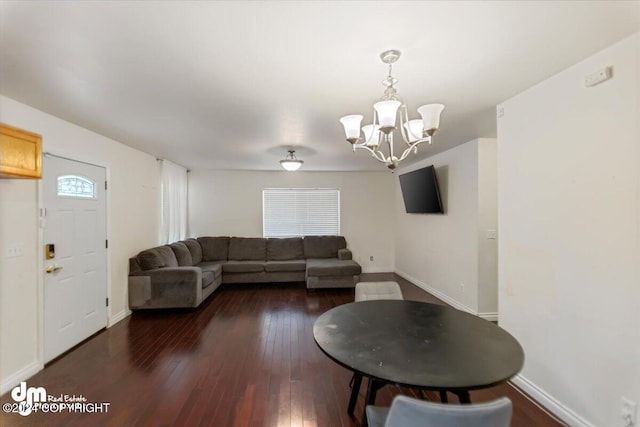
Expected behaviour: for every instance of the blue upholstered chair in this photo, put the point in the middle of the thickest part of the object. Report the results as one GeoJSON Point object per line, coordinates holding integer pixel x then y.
{"type": "Point", "coordinates": [409, 412]}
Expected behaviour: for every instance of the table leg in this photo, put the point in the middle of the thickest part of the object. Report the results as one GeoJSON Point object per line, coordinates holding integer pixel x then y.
{"type": "Point", "coordinates": [355, 389]}
{"type": "Point", "coordinates": [463, 396]}
{"type": "Point", "coordinates": [372, 390]}
{"type": "Point", "coordinates": [443, 396]}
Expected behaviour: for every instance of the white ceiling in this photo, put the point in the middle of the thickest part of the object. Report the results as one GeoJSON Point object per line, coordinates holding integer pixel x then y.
{"type": "Point", "coordinates": [233, 85]}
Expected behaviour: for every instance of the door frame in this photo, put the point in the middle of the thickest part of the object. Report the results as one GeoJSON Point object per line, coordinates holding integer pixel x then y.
{"type": "Point", "coordinates": [40, 250]}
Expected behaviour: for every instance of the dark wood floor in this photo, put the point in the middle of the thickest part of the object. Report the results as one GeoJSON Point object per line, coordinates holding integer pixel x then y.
{"type": "Point", "coordinates": [245, 357]}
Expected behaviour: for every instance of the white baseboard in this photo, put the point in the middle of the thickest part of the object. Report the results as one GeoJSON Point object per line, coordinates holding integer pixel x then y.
{"type": "Point", "coordinates": [549, 403]}
{"type": "Point", "coordinates": [118, 317]}
{"type": "Point", "coordinates": [376, 270]}
{"type": "Point", "coordinates": [490, 316]}
{"type": "Point", "coordinates": [439, 294]}
{"type": "Point", "coordinates": [22, 375]}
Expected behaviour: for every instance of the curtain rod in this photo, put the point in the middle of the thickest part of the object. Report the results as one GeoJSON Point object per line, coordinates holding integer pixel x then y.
{"type": "Point", "coordinates": [159, 159]}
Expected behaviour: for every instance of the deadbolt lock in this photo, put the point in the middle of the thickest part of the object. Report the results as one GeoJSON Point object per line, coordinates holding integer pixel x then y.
{"type": "Point", "coordinates": [49, 251]}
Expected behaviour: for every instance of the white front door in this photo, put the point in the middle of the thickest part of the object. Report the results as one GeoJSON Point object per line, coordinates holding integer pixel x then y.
{"type": "Point", "coordinates": [75, 279]}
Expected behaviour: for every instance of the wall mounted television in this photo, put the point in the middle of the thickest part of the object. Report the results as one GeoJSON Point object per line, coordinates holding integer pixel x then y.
{"type": "Point", "coordinates": [420, 191]}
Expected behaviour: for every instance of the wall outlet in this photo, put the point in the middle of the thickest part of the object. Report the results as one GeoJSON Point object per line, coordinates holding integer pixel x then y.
{"type": "Point", "coordinates": [492, 234]}
{"type": "Point", "coordinates": [462, 288]}
{"type": "Point", "coordinates": [629, 412]}
{"type": "Point", "coordinates": [371, 258]}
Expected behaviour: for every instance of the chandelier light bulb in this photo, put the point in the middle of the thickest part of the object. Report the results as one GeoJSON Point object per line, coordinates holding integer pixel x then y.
{"type": "Point", "coordinates": [414, 129]}
{"type": "Point", "coordinates": [430, 117]}
{"type": "Point", "coordinates": [387, 113]}
{"type": "Point", "coordinates": [371, 135]}
{"type": "Point", "coordinates": [352, 127]}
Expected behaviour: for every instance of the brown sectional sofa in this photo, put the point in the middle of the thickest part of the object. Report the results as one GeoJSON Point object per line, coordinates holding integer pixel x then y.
{"type": "Point", "coordinates": [183, 274]}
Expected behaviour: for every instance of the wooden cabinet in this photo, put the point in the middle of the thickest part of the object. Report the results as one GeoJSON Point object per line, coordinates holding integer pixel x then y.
{"type": "Point", "coordinates": [20, 153]}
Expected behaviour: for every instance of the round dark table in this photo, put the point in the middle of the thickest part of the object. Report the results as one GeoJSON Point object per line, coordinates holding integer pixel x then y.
{"type": "Point", "coordinates": [418, 345]}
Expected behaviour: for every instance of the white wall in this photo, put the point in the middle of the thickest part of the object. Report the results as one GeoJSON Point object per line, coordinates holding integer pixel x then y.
{"type": "Point", "coordinates": [133, 202]}
{"type": "Point", "coordinates": [569, 245]}
{"type": "Point", "coordinates": [230, 203]}
{"type": "Point", "coordinates": [442, 252]}
{"type": "Point", "coordinates": [18, 278]}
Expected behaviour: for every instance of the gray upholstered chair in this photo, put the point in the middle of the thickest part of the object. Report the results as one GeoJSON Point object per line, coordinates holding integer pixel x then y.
{"type": "Point", "coordinates": [367, 291]}
{"type": "Point", "coordinates": [408, 412]}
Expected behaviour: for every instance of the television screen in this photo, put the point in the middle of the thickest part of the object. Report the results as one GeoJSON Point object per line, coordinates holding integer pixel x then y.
{"type": "Point", "coordinates": [420, 191]}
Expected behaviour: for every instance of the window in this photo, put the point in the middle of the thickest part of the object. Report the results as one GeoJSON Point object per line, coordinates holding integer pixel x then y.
{"type": "Point", "coordinates": [292, 212]}
{"type": "Point", "coordinates": [76, 186]}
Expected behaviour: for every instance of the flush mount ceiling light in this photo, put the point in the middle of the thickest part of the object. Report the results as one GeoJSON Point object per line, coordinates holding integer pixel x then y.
{"type": "Point", "coordinates": [385, 113]}
{"type": "Point", "coordinates": [291, 163]}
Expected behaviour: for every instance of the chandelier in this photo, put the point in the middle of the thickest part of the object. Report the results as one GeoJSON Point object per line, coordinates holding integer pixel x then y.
{"type": "Point", "coordinates": [291, 162]}
{"type": "Point", "coordinates": [385, 112]}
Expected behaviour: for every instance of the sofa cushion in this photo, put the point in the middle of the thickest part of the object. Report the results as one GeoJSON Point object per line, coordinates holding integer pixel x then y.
{"type": "Point", "coordinates": [285, 249]}
{"type": "Point", "coordinates": [182, 254]}
{"type": "Point", "coordinates": [247, 249]}
{"type": "Point", "coordinates": [213, 266]}
{"type": "Point", "coordinates": [344, 253]}
{"type": "Point", "coordinates": [323, 246]}
{"type": "Point", "coordinates": [290, 265]}
{"type": "Point", "coordinates": [214, 248]}
{"type": "Point", "coordinates": [168, 256]}
{"type": "Point", "coordinates": [243, 266]}
{"type": "Point", "coordinates": [332, 267]}
{"type": "Point", "coordinates": [150, 259]}
{"type": "Point", "coordinates": [194, 249]}
{"type": "Point", "coordinates": [207, 279]}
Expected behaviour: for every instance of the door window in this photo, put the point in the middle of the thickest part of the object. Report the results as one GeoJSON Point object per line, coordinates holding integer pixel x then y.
{"type": "Point", "coordinates": [76, 186]}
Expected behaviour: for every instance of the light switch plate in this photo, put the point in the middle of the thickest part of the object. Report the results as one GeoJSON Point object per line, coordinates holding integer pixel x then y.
{"type": "Point", "coordinates": [13, 251]}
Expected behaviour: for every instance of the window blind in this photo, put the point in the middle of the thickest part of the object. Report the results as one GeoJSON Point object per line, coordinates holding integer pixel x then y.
{"type": "Point", "coordinates": [293, 212]}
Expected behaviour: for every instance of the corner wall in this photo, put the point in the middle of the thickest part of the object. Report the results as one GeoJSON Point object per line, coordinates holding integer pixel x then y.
{"type": "Point", "coordinates": [229, 203]}
{"type": "Point", "coordinates": [487, 220]}
{"type": "Point", "coordinates": [569, 212]}
{"type": "Point", "coordinates": [449, 255]}
{"type": "Point", "coordinates": [133, 210]}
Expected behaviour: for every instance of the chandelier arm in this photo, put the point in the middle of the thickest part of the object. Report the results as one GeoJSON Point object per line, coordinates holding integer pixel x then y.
{"type": "Point", "coordinates": [375, 153]}
{"type": "Point", "coordinates": [379, 155]}
{"type": "Point", "coordinates": [413, 146]}
{"type": "Point", "coordinates": [404, 119]}
{"type": "Point", "coordinates": [362, 147]}
{"type": "Point", "coordinates": [406, 152]}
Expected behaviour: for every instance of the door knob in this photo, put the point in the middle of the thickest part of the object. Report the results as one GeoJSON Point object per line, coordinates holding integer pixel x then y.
{"type": "Point", "coordinates": [51, 269]}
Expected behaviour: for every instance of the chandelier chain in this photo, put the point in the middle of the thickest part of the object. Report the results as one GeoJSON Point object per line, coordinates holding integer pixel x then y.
{"type": "Point", "coordinates": [390, 92]}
